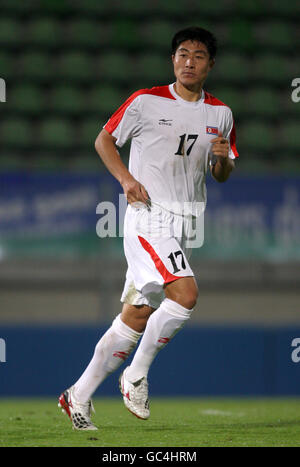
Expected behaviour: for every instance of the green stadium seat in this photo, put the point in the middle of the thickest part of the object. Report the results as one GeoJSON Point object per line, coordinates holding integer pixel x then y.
{"type": "Point", "coordinates": [234, 98]}
{"type": "Point", "coordinates": [232, 68]}
{"type": "Point", "coordinates": [36, 66]}
{"type": "Point", "coordinates": [75, 66]}
{"type": "Point", "coordinates": [250, 7]}
{"type": "Point", "coordinates": [94, 6]}
{"type": "Point", "coordinates": [158, 34]}
{"type": "Point", "coordinates": [272, 68]}
{"type": "Point", "coordinates": [7, 64]}
{"type": "Point", "coordinates": [105, 99]}
{"type": "Point", "coordinates": [172, 8]}
{"type": "Point", "coordinates": [125, 34]}
{"type": "Point", "coordinates": [115, 66]}
{"type": "Point", "coordinates": [133, 8]}
{"type": "Point", "coordinates": [10, 33]}
{"type": "Point", "coordinates": [86, 33]}
{"type": "Point", "coordinates": [56, 132]}
{"type": "Point", "coordinates": [16, 132]}
{"type": "Point", "coordinates": [55, 6]}
{"type": "Point", "coordinates": [89, 130]}
{"type": "Point", "coordinates": [211, 8]}
{"type": "Point", "coordinates": [256, 136]}
{"type": "Point", "coordinates": [289, 134]}
{"type": "Point", "coordinates": [291, 9]}
{"type": "Point", "coordinates": [155, 69]}
{"type": "Point", "coordinates": [17, 7]}
{"type": "Point", "coordinates": [26, 98]}
{"type": "Point", "coordinates": [276, 34]}
{"type": "Point", "coordinates": [240, 35]}
{"type": "Point", "coordinates": [191, 8]}
{"type": "Point", "coordinates": [46, 32]}
{"type": "Point", "coordinates": [289, 107]}
{"type": "Point", "coordinates": [67, 99]}
{"type": "Point", "coordinates": [263, 102]}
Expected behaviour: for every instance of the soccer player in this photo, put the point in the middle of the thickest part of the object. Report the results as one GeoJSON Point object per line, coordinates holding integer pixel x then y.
{"type": "Point", "coordinates": [178, 132]}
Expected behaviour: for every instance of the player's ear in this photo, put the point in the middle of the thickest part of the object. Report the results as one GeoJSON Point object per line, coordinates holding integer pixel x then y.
{"type": "Point", "coordinates": [173, 58]}
{"type": "Point", "coordinates": [212, 62]}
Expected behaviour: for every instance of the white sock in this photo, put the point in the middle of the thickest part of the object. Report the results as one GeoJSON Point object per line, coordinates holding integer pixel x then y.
{"type": "Point", "coordinates": [111, 351]}
{"type": "Point", "coordinates": [162, 325]}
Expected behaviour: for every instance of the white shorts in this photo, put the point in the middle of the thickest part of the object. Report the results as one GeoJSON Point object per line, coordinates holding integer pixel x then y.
{"type": "Point", "coordinates": [156, 253]}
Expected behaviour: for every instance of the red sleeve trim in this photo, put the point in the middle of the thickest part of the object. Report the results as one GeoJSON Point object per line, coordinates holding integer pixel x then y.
{"type": "Point", "coordinates": [113, 122]}
{"type": "Point", "coordinates": [233, 140]}
{"type": "Point", "coordinates": [167, 276]}
{"type": "Point", "coordinates": [212, 100]}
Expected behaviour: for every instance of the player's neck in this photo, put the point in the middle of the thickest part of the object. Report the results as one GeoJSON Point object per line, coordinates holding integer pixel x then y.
{"type": "Point", "coordinates": [191, 95]}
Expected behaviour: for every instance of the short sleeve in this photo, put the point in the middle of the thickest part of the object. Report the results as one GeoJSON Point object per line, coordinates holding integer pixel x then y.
{"type": "Point", "coordinates": [230, 134]}
{"type": "Point", "coordinates": [125, 123]}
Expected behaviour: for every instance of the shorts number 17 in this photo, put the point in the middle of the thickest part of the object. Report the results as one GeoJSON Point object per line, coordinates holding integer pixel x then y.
{"type": "Point", "coordinates": [173, 257]}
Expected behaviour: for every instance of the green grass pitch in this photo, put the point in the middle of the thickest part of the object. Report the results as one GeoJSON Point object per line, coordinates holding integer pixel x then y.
{"type": "Point", "coordinates": [185, 422]}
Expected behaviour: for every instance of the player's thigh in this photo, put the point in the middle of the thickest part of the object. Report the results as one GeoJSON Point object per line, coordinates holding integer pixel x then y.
{"type": "Point", "coordinates": [136, 316]}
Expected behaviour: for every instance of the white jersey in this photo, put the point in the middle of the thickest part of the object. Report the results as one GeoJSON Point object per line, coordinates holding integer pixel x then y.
{"type": "Point", "coordinates": [171, 142]}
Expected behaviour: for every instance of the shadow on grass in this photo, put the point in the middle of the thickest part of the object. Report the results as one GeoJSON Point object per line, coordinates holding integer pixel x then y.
{"type": "Point", "coordinates": [215, 426]}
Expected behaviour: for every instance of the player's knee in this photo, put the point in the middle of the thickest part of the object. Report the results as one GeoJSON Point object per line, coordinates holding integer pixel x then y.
{"type": "Point", "coordinates": [187, 297]}
{"type": "Point", "coordinates": [190, 299]}
{"type": "Point", "coordinates": [184, 291]}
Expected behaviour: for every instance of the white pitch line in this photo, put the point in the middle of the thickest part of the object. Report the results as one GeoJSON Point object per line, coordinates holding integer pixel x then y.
{"type": "Point", "coordinates": [221, 412]}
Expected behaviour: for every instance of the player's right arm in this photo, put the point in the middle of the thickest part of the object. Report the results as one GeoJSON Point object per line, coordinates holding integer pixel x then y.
{"type": "Point", "coordinates": [108, 152]}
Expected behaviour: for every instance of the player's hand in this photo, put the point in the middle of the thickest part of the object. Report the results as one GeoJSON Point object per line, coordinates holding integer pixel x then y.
{"type": "Point", "coordinates": [220, 146]}
{"type": "Point", "coordinates": [135, 192]}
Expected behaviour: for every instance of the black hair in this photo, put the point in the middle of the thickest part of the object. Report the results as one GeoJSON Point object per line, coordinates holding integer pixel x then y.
{"type": "Point", "coordinates": [195, 33]}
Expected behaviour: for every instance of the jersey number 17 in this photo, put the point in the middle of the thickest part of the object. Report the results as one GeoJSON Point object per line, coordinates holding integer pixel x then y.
{"type": "Point", "coordinates": [180, 150]}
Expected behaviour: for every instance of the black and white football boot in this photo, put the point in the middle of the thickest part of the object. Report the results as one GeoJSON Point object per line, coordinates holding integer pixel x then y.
{"type": "Point", "coordinates": [79, 414]}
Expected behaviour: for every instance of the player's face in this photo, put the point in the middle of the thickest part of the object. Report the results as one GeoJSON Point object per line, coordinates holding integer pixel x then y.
{"type": "Point", "coordinates": [192, 64]}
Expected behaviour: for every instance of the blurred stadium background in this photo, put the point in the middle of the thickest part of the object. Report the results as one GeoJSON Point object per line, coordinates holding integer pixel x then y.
{"type": "Point", "coordinates": [67, 66]}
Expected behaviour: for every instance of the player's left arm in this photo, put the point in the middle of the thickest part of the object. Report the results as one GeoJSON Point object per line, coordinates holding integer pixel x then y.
{"type": "Point", "coordinates": [224, 151]}
{"type": "Point", "coordinates": [224, 165]}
